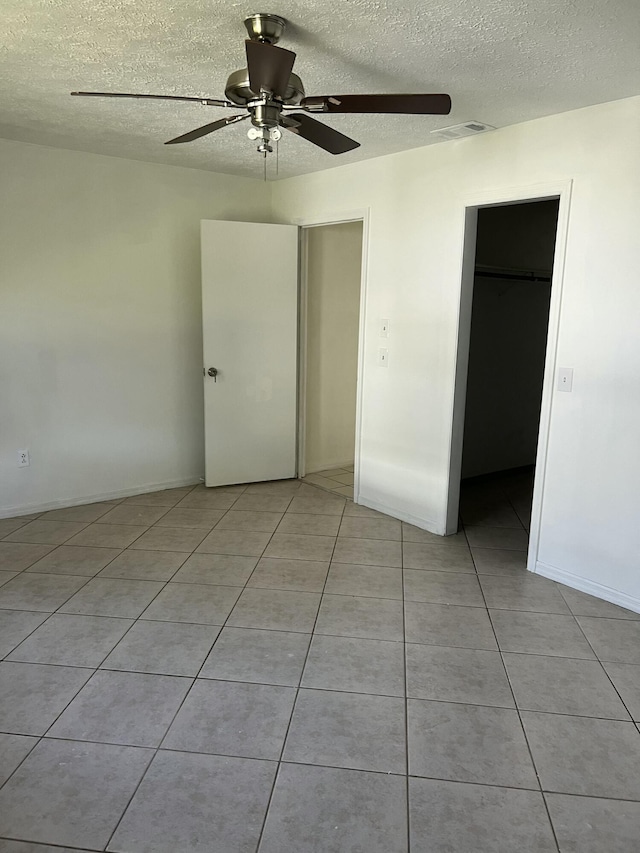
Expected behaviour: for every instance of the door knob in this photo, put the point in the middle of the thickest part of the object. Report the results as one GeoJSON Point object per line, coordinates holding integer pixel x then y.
{"type": "Point", "coordinates": [213, 372]}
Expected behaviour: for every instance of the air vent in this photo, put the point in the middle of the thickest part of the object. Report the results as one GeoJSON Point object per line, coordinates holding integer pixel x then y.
{"type": "Point", "coordinates": [457, 131]}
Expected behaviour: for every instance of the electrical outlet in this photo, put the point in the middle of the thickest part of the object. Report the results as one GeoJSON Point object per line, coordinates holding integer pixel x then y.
{"type": "Point", "coordinates": [23, 459]}
{"type": "Point", "coordinates": [565, 379]}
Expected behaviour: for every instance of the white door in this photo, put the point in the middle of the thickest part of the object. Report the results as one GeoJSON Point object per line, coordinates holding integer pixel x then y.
{"type": "Point", "coordinates": [250, 331]}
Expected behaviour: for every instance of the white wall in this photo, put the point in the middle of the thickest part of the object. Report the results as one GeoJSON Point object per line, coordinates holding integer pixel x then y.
{"type": "Point", "coordinates": [100, 321]}
{"type": "Point", "coordinates": [334, 262]}
{"type": "Point", "coordinates": [590, 532]}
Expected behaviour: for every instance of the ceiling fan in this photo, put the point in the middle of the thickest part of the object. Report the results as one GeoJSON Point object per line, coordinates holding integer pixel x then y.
{"type": "Point", "coordinates": [269, 90]}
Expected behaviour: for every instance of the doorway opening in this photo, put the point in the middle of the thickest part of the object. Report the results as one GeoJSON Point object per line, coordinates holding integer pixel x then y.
{"type": "Point", "coordinates": [510, 249]}
{"type": "Point", "coordinates": [329, 353]}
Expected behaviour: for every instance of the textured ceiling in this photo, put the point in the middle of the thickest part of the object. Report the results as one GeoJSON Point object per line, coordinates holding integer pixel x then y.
{"type": "Point", "coordinates": [502, 62]}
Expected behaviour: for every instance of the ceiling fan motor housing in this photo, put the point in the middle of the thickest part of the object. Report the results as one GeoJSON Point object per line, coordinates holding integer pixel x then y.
{"type": "Point", "coordinates": [238, 90]}
{"type": "Point", "coordinates": [265, 27]}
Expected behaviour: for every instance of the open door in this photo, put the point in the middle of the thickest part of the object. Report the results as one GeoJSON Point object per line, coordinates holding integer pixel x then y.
{"type": "Point", "coordinates": [250, 333]}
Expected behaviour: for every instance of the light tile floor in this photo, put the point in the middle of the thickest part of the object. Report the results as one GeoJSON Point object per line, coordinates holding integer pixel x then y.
{"type": "Point", "coordinates": [223, 671]}
{"type": "Point", "coordinates": [337, 480]}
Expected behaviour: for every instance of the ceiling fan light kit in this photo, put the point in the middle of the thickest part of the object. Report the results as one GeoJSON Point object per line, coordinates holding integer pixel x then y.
{"type": "Point", "coordinates": [268, 90]}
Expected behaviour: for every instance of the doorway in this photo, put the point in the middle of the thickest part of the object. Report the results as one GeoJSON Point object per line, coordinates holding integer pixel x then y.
{"type": "Point", "coordinates": [504, 366]}
{"type": "Point", "coordinates": [329, 355]}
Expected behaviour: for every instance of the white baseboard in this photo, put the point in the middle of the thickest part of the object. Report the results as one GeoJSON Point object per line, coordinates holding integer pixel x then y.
{"type": "Point", "coordinates": [29, 509]}
{"type": "Point", "coordinates": [425, 524]}
{"type": "Point", "coordinates": [590, 587]}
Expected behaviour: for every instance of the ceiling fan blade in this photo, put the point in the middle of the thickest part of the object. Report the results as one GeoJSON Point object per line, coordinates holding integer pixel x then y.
{"type": "Point", "coordinates": [209, 102]}
{"type": "Point", "coordinates": [207, 128]}
{"type": "Point", "coordinates": [269, 67]}
{"type": "Point", "coordinates": [320, 134]}
{"type": "Point", "coordinates": [404, 104]}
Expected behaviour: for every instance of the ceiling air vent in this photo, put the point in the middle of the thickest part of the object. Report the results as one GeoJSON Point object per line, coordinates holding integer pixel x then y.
{"type": "Point", "coordinates": [457, 131]}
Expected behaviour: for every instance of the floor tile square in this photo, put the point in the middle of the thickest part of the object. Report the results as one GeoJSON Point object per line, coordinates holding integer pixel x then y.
{"type": "Point", "coordinates": [526, 592]}
{"type": "Point", "coordinates": [189, 602]}
{"type": "Point", "coordinates": [15, 556]}
{"type": "Point", "coordinates": [250, 654]}
{"type": "Point", "coordinates": [367, 581]}
{"type": "Point", "coordinates": [39, 591]}
{"type": "Point", "coordinates": [218, 569]}
{"type": "Point", "coordinates": [108, 535]}
{"type": "Point", "coordinates": [351, 730]}
{"type": "Point", "coordinates": [362, 511]}
{"type": "Point", "coordinates": [188, 803]}
{"type": "Point", "coordinates": [369, 618]}
{"type": "Point", "coordinates": [262, 503]}
{"type": "Point", "coordinates": [626, 679]}
{"type": "Point", "coordinates": [347, 491]}
{"type": "Point", "coordinates": [505, 538]}
{"type": "Point", "coordinates": [497, 561]}
{"type": "Point", "coordinates": [472, 676]}
{"type": "Point", "coordinates": [439, 558]}
{"type": "Point", "coordinates": [308, 804]}
{"type": "Point", "coordinates": [71, 793]}
{"type": "Point", "coordinates": [129, 708]}
{"type": "Point", "coordinates": [540, 634]}
{"type": "Point", "coordinates": [321, 503]}
{"type": "Point", "coordinates": [355, 666]}
{"type": "Point", "coordinates": [32, 695]}
{"type": "Point", "coordinates": [582, 604]}
{"type": "Point", "coordinates": [563, 686]}
{"type": "Point", "coordinates": [166, 497]}
{"type": "Point", "coordinates": [171, 539]}
{"type": "Point", "coordinates": [144, 565]}
{"type": "Point", "coordinates": [588, 825]}
{"type": "Point", "coordinates": [233, 718]}
{"type": "Point", "coordinates": [353, 527]}
{"type": "Point", "coordinates": [137, 514]}
{"type": "Point", "coordinates": [442, 588]}
{"type": "Point", "coordinates": [275, 609]}
{"type": "Point", "coordinates": [165, 648]}
{"type": "Point", "coordinates": [487, 819]}
{"type": "Point", "coordinates": [6, 576]}
{"type": "Point", "coordinates": [368, 552]}
{"type": "Point", "coordinates": [243, 543]}
{"type": "Point", "coordinates": [209, 499]}
{"type": "Point", "coordinates": [282, 488]}
{"type": "Point", "coordinates": [260, 522]}
{"type": "Point", "coordinates": [8, 525]}
{"type": "Point", "coordinates": [75, 560]}
{"type": "Point", "coordinates": [300, 547]}
{"type": "Point", "coordinates": [15, 626]}
{"type": "Point", "coordinates": [45, 532]}
{"type": "Point", "coordinates": [86, 513]}
{"type": "Point", "coordinates": [448, 625]}
{"type": "Point", "coordinates": [313, 525]}
{"type": "Point", "coordinates": [410, 533]}
{"type": "Point", "coordinates": [112, 597]}
{"type": "Point", "coordinates": [72, 640]}
{"type": "Point", "coordinates": [303, 575]}
{"type": "Point", "coordinates": [13, 750]}
{"type": "Point", "coordinates": [582, 755]}
{"type": "Point", "coordinates": [7, 846]}
{"type": "Point", "coordinates": [197, 518]}
{"type": "Point", "coordinates": [468, 743]}
{"type": "Point", "coordinates": [615, 640]}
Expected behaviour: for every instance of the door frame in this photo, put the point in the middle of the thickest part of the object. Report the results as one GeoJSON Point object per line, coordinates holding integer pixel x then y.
{"type": "Point", "coordinates": [359, 215]}
{"type": "Point", "coordinates": [560, 190]}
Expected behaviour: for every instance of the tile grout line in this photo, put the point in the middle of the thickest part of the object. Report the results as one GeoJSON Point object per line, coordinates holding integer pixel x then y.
{"type": "Point", "coordinates": [297, 693]}
{"type": "Point", "coordinates": [522, 728]}
{"type": "Point", "coordinates": [406, 693]}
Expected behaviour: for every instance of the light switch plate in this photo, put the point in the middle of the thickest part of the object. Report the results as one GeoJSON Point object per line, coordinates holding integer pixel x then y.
{"type": "Point", "coordinates": [383, 357]}
{"type": "Point", "coordinates": [565, 378]}
{"type": "Point", "coordinates": [384, 328]}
